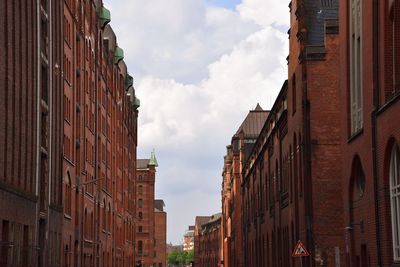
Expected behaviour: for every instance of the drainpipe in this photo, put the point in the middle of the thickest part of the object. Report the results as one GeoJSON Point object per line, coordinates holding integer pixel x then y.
{"type": "Point", "coordinates": [374, 129]}
{"type": "Point", "coordinates": [307, 164]}
{"type": "Point", "coordinates": [38, 64]}
{"type": "Point", "coordinates": [50, 104]}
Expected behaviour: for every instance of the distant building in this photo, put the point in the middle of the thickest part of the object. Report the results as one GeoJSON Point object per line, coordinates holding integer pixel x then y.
{"type": "Point", "coordinates": [237, 152]}
{"type": "Point", "coordinates": [160, 235]}
{"type": "Point", "coordinates": [171, 248]}
{"type": "Point", "coordinates": [145, 232]}
{"type": "Point", "coordinates": [208, 241]}
{"type": "Point", "coordinates": [188, 239]}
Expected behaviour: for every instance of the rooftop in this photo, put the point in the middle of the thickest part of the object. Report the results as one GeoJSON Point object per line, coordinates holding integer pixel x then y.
{"type": "Point", "coordinates": [253, 123]}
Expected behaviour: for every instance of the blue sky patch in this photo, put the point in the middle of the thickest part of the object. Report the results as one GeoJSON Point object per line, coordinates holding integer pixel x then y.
{"type": "Point", "coordinates": [229, 4]}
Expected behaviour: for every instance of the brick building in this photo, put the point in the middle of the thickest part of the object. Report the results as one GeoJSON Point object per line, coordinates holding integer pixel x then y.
{"type": "Point", "coordinates": [145, 232]}
{"type": "Point", "coordinates": [160, 234]}
{"type": "Point", "coordinates": [68, 148]}
{"type": "Point", "coordinates": [188, 239]}
{"type": "Point", "coordinates": [291, 180]}
{"type": "Point", "coordinates": [237, 152]}
{"type": "Point", "coordinates": [370, 32]}
{"type": "Point", "coordinates": [208, 251]}
{"type": "Point", "coordinates": [30, 133]}
{"type": "Point", "coordinates": [100, 139]}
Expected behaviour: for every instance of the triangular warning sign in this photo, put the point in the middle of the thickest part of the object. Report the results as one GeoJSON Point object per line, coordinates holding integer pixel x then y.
{"type": "Point", "coordinates": [300, 250]}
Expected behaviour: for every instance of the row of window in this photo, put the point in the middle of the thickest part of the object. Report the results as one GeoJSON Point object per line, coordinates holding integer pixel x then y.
{"type": "Point", "coordinates": [280, 183]}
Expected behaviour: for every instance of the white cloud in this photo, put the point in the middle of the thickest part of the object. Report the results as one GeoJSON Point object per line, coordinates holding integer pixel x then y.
{"type": "Point", "coordinates": [199, 71]}
{"type": "Point", "coordinates": [265, 12]}
{"type": "Point", "coordinates": [175, 39]}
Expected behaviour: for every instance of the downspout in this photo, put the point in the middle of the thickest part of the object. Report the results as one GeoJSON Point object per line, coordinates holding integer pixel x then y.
{"type": "Point", "coordinates": [50, 104]}
{"type": "Point", "coordinates": [307, 164]}
{"type": "Point", "coordinates": [374, 129]}
{"type": "Point", "coordinates": [37, 125]}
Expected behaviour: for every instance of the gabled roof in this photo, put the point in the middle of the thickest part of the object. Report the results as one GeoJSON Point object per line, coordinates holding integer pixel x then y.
{"type": "Point", "coordinates": [253, 123]}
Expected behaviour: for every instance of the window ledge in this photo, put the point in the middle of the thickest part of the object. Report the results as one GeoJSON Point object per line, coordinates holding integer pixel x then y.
{"type": "Point", "coordinates": [387, 105]}
{"type": "Point", "coordinates": [68, 217]}
{"type": "Point", "coordinates": [355, 135]}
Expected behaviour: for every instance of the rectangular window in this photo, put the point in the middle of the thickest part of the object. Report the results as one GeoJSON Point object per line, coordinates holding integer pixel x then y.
{"type": "Point", "coordinates": [294, 92]}
{"type": "Point", "coordinates": [395, 20]}
{"type": "Point", "coordinates": [356, 95]}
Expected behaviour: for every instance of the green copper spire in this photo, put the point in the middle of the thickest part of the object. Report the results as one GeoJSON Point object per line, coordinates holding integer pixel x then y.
{"type": "Point", "coordinates": [153, 160]}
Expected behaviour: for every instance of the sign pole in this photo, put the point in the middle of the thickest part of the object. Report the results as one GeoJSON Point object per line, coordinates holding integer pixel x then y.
{"type": "Point", "coordinates": [301, 261]}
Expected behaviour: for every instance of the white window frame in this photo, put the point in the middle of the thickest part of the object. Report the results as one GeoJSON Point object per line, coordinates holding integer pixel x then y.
{"type": "Point", "coordinates": [394, 177]}
{"type": "Point", "coordinates": [356, 94]}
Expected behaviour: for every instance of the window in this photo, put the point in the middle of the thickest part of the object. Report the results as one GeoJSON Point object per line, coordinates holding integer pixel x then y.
{"type": "Point", "coordinates": [394, 6]}
{"type": "Point", "coordinates": [140, 247]}
{"type": "Point", "coordinates": [395, 200]}
{"type": "Point", "coordinates": [140, 202]}
{"type": "Point", "coordinates": [140, 178]}
{"type": "Point", "coordinates": [140, 190]}
{"type": "Point", "coordinates": [104, 216]}
{"type": "Point", "coordinates": [140, 215]}
{"type": "Point", "coordinates": [67, 194]}
{"type": "Point", "coordinates": [355, 67]}
{"type": "Point", "coordinates": [86, 225]}
{"type": "Point", "coordinates": [140, 229]}
{"type": "Point", "coordinates": [109, 217]}
{"type": "Point", "coordinates": [294, 96]}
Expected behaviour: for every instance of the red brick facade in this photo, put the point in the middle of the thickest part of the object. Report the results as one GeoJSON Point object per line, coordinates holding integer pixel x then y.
{"type": "Point", "coordinates": [366, 160]}
{"type": "Point", "coordinates": [160, 234]}
{"type": "Point", "coordinates": [100, 139]}
{"type": "Point", "coordinates": [68, 137]}
{"type": "Point", "coordinates": [208, 250]}
{"type": "Point", "coordinates": [291, 186]}
{"type": "Point", "coordinates": [237, 153]}
{"type": "Point", "coordinates": [30, 133]}
{"type": "Point", "coordinates": [325, 168]}
{"type": "Point", "coordinates": [145, 231]}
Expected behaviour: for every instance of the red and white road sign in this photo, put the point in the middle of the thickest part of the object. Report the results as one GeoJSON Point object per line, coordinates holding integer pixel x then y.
{"type": "Point", "coordinates": [300, 250]}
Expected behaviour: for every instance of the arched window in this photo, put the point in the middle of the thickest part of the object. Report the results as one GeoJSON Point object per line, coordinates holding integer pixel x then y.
{"type": "Point", "coordinates": [394, 176]}
{"type": "Point", "coordinates": [68, 188]}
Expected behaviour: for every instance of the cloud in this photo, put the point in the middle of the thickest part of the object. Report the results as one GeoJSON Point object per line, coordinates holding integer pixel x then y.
{"type": "Point", "coordinates": [199, 70]}
{"type": "Point", "coordinates": [265, 12]}
{"type": "Point", "coordinates": [176, 39]}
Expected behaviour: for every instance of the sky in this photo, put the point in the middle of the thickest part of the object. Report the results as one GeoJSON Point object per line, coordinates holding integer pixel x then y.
{"type": "Point", "coordinates": [199, 67]}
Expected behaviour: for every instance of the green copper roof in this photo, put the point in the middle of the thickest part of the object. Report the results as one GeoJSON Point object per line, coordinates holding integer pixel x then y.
{"type": "Point", "coordinates": [119, 54]}
{"type": "Point", "coordinates": [128, 81]}
{"type": "Point", "coordinates": [153, 160]}
{"type": "Point", "coordinates": [136, 103]}
{"type": "Point", "coordinates": [105, 16]}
